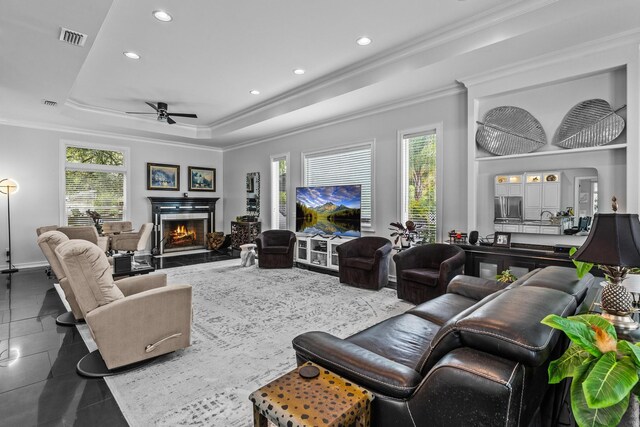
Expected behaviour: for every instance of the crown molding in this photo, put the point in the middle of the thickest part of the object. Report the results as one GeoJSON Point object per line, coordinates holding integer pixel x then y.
{"type": "Point", "coordinates": [103, 134]}
{"type": "Point", "coordinates": [563, 55]}
{"type": "Point", "coordinates": [449, 90]}
{"type": "Point", "coordinates": [486, 19]}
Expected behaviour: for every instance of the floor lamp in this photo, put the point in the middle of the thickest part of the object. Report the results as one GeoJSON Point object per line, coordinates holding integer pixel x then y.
{"type": "Point", "coordinates": [9, 186]}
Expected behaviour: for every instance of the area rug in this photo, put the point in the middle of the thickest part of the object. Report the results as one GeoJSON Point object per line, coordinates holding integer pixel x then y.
{"type": "Point", "coordinates": [243, 322]}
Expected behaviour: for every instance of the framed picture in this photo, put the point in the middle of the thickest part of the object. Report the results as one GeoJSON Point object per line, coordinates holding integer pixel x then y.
{"type": "Point", "coordinates": [163, 177]}
{"type": "Point", "coordinates": [202, 179]}
{"type": "Point", "coordinates": [502, 239]}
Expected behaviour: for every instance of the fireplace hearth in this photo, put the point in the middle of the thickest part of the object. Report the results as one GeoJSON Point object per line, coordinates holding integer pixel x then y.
{"type": "Point", "coordinates": [181, 224]}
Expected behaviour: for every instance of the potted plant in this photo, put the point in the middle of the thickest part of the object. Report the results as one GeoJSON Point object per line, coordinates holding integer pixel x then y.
{"type": "Point", "coordinates": [506, 277]}
{"type": "Point", "coordinates": [405, 233]}
{"type": "Point", "coordinates": [604, 370]}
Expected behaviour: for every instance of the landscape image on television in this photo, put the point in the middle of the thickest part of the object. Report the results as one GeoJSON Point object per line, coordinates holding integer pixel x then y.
{"type": "Point", "coordinates": [333, 210]}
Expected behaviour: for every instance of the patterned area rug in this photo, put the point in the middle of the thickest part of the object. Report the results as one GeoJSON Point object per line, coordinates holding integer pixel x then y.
{"type": "Point", "coordinates": [243, 322]}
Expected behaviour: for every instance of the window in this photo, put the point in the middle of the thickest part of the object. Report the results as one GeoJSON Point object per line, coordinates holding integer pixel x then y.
{"type": "Point", "coordinates": [94, 179]}
{"type": "Point", "coordinates": [348, 166]}
{"type": "Point", "coordinates": [279, 185]}
{"type": "Point", "coordinates": [419, 181]}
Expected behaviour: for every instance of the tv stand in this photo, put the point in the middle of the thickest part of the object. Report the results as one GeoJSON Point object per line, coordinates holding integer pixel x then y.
{"type": "Point", "coordinates": [318, 251]}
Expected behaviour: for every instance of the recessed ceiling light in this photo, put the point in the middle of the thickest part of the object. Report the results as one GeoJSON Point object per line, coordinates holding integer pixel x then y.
{"type": "Point", "coordinates": [161, 15]}
{"type": "Point", "coordinates": [254, 92]}
{"type": "Point", "coordinates": [363, 41]}
{"type": "Point", "coordinates": [131, 55]}
{"type": "Point", "coordinates": [298, 71]}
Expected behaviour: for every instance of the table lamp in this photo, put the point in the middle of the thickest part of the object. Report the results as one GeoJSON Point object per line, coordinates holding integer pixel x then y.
{"type": "Point", "coordinates": [614, 245]}
{"type": "Point", "coordinates": [9, 186]}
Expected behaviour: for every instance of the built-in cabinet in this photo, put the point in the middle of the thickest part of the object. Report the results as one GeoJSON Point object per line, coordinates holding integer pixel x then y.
{"type": "Point", "coordinates": [508, 185]}
{"type": "Point", "coordinates": [318, 251]}
{"type": "Point", "coordinates": [541, 192]}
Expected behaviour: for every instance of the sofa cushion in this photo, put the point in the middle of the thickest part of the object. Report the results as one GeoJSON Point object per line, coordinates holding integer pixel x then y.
{"type": "Point", "coordinates": [275, 249]}
{"type": "Point", "coordinates": [404, 339]}
{"type": "Point", "coordinates": [425, 276]}
{"type": "Point", "coordinates": [509, 325]}
{"type": "Point", "coordinates": [359, 262]}
{"type": "Point", "coordinates": [440, 310]}
{"type": "Point", "coordinates": [563, 279]}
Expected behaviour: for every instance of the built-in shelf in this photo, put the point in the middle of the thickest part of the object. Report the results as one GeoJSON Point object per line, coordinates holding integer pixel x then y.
{"type": "Point", "coordinates": [554, 152]}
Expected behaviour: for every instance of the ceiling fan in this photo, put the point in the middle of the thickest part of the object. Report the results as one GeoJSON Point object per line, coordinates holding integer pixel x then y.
{"type": "Point", "coordinates": [163, 114]}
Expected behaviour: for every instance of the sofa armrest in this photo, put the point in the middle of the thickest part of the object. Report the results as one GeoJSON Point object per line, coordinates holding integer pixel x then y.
{"type": "Point", "coordinates": [383, 251]}
{"type": "Point", "coordinates": [358, 364]}
{"type": "Point", "coordinates": [474, 287]}
{"type": "Point", "coordinates": [136, 284]}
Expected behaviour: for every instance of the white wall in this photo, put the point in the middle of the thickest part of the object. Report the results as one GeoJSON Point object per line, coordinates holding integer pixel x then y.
{"type": "Point", "coordinates": [32, 157]}
{"type": "Point", "coordinates": [383, 128]}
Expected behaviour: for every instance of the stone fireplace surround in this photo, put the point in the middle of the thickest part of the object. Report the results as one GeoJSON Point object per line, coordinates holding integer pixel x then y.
{"type": "Point", "coordinates": [176, 208]}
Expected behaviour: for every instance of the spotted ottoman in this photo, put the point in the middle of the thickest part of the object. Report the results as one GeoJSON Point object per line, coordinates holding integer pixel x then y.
{"type": "Point", "coordinates": [326, 400]}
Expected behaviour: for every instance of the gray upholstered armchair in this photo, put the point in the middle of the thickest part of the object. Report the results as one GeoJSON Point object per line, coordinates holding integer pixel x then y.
{"type": "Point", "coordinates": [364, 262]}
{"type": "Point", "coordinates": [88, 233]}
{"type": "Point", "coordinates": [48, 242]}
{"type": "Point", "coordinates": [424, 271]}
{"type": "Point", "coordinates": [132, 241]}
{"type": "Point", "coordinates": [275, 248]}
{"type": "Point", "coordinates": [137, 319]}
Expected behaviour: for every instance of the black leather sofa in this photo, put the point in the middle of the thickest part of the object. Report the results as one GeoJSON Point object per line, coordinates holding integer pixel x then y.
{"type": "Point", "coordinates": [475, 356]}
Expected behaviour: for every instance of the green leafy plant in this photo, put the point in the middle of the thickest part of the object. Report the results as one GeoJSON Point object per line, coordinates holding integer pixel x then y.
{"type": "Point", "coordinates": [506, 277]}
{"type": "Point", "coordinates": [604, 370]}
{"type": "Point", "coordinates": [582, 268]}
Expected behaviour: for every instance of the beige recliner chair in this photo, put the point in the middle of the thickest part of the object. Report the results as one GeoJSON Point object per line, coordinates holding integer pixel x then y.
{"type": "Point", "coordinates": [86, 232]}
{"type": "Point", "coordinates": [48, 242]}
{"type": "Point", "coordinates": [138, 319]}
{"type": "Point", "coordinates": [110, 228]}
{"type": "Point", "coordinates": [132, 241]}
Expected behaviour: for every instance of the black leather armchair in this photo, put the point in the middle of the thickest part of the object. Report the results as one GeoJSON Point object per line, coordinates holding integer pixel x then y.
{"type": "Point", "coordinates": [477, 355]}
{"type": "Point", "coordinates": [423, 272]}
{"type": "Point", "coordinates": [364, 262]}
{"type": "Point", "coordinates": [275, 248]}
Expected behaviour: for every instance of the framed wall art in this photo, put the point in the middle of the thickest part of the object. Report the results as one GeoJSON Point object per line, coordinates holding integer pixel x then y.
{"type": "Point", "coordinates": [163, 177]}
{"type": "Point", "coordinates": [202, 179]}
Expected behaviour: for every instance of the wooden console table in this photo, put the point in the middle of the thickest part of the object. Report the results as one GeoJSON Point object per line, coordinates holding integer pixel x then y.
{"type": "Point", "coordinates": [489, 261]}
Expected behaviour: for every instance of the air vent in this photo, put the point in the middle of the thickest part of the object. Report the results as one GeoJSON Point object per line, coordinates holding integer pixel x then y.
{"type": "Point", "coordinates": [49, 103]}
{"type": "Point", "coordinates": [72, 37]}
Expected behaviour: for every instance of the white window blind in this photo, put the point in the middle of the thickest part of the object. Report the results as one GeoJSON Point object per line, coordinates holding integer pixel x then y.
{"type": "Point", "coordinates": [279, 193]}
{"type": "Point", "coordinates": [419, 170]}
{"type": "Point", "coordinates": [94, 180]}
{"type": "Point", "coordinates": [351, 166]}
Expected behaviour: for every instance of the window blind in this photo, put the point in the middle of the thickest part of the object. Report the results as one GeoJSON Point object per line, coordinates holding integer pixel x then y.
{"type": "Point", "coordinates": [342, 167]}
{"type": "Point", "coordinates": [94, 180]}
{"type": "Point", "coordinates": [420, 181]}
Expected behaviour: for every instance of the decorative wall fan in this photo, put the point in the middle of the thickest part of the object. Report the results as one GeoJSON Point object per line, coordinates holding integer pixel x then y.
{"type": "Point", "coordinates": [163, 113]}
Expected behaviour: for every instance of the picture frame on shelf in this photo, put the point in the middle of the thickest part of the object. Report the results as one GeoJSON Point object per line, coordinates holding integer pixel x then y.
{"type": "Point", "coordinates": [202, 179]}
{"type": "Point", "coordinates": [502, 239]}
{"type": "Point", "coordinates": [162, 176]}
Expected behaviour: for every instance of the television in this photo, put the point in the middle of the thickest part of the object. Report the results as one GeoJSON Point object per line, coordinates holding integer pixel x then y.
{"type": "Point", "coordinates": [329, 210]}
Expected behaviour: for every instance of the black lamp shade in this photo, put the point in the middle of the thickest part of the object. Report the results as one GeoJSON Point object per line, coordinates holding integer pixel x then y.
{"type": "Point", "coordinates": [614, 240]}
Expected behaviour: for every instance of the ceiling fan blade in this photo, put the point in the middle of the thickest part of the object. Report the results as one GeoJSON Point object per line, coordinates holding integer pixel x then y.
{"type": "Point", "coordinates": [193, 116]}
{"type": "Point", "coordinates": [170, 120]}
{"type": "Point", "coordinates": [138, 112]}
{"type": "Point", "coordinates": [151, 105]}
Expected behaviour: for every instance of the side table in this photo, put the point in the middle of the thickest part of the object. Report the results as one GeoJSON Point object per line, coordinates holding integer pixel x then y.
{"type": "Point", "coordinates": [326, 400]}
{"type": "Point", "coordinates": [247, 254]}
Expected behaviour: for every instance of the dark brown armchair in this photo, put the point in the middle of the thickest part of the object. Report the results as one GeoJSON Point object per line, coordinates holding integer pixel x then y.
{"type": "Point", "coordinates": [275, 248]}
{"type": "Point", "coordinates": [424, 271]}
{"type": "Point", "coordinates": [364, 262]}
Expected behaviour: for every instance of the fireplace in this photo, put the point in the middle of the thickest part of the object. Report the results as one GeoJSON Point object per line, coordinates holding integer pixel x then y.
{"type": "Point", "coordinates": [183, 233]}
{"type": "Point", "coordinates": [181, 223]}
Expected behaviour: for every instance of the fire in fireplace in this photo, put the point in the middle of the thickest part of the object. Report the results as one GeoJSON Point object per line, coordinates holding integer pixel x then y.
{"type": "Point", "coordinates": [184, 234]}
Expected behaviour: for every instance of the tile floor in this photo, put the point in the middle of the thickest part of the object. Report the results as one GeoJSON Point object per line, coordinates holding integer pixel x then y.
{"type": "Point", "coordinates": [41, 386]}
